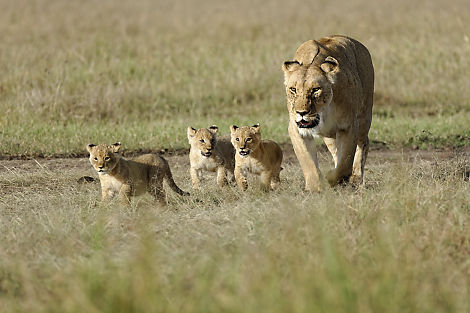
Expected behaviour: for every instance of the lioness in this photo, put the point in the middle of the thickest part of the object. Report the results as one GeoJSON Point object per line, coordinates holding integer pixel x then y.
{"type": "Point", "coordinates": [330, 88]}
{"type": "Point", "coordinates": [257, 156]}
{"type": "Point", "coordinates": [211, 154]}
{"type": "Point", "coordinates": [127, 178]}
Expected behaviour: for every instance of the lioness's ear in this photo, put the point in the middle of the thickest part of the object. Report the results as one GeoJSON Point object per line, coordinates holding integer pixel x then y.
{"type": "Point", "coordinates": [290, 66]}
{"type": "Point", "coordinates": [191, 132]}
{"type": "Point", "coordinates": [329, 65]}
{"type": "Point", "coordinates": [256, 128]}
{"type": "Point", "coordinates": [233, 128]}
{"type": "Point", "coordinates": [116, 146]}
{"type": "Point", "coordinates": [213, 129]}
{"type": "Point", "coordinates": [90, 146]}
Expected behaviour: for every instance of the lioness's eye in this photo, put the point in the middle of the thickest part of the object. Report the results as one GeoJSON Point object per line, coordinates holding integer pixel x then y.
{"type": "Point", "coordinates": [202, 140]}
{"type": "Point", "coordinates": [314, 90]}
{"type": "Point", "coordinates": [293, 90]}
{"type": "Point", "coordinates": [107, 158]}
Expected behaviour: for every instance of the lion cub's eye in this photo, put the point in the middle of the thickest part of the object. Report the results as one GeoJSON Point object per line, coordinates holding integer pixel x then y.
{"type": "Point", "coordinates": [293, 90]}
{"type": "Point", "coordinates": [237, 139]}
{"type": "Point", "coordinates": [107, 158]}
{"type": "Point", "coordinates": [201, 140]}
{"type": "Point", "coordinates": [315, 90]}
{"type": "Point", "coordinates": [96, 159]}
{"type": "Point", "coordinates": [248, 139]}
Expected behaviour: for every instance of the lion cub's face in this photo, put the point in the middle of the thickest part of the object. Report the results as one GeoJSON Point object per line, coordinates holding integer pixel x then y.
{"type": "Point", "coordinates": [102, 157]}
{"type": "Point", "coordinates": [245, 139]}
{"type": "Point", "coordinates": [203, 139]}
{"type": "Point", "coordinates": [309, 90]}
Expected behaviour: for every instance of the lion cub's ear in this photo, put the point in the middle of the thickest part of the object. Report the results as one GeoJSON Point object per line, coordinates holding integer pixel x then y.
{"type": "Point", "coordinates": [256, 128]}
{"type": "Point", "coordinates": [90, 147]}
{"type": "Point", "coordinates": [191, 133]}
{"type": "Point", "coordinates": [290, 66]}
{"type": "Point", "coordinates": [233, 128]}
{"type": "Point", "coordinates": [213, 129]}
{"type": "Point", "coordinates": [329, 65]}
{"type": "Point", "coordinates": [116, 146]}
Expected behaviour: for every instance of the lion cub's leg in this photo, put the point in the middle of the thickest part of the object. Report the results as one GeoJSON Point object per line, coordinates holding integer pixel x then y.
{"type": "Point", "coordinates": [156, 185]}
{"type": "Point", "coordinates": [221, 176]}
{"type": "Point", "coordinates": [125, 194]}
{"type": "Point", "coordinates": [331, 144]}
{"type": "Point", "coordinates": [240, 179]}
{"type": "Point", "coordinates": [360, 157]}
{"type": "Point", "coordinates": [106, 194]}
{"type": "Point", "coordinates": [265, 178]}
{"type": "Point", "coordinates": [275, 180]}
{"type": "Point", "coordinates": [195, 174]}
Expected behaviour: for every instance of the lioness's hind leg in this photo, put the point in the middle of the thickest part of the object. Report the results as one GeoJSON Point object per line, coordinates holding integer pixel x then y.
{"type": "Point", "coordinates": [331, 145]}
{"type": "Point", "coordinates": [360, 157]}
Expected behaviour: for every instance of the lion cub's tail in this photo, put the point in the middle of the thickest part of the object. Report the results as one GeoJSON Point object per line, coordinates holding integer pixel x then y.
{"type": "Point", "coordinates": [170, 181]}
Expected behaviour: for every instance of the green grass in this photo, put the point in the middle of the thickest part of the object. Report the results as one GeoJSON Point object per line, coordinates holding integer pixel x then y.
{"type": "Point", "coordinates": [116, 69]}
{"type": "Point", "coordinates": [93, 71]}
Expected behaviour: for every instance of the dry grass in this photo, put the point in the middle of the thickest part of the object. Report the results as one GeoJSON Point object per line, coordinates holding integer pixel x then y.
{"type": "Point", "coordinates": [400, 244]}
{"type": "Point", "coordinates": [74, 72]}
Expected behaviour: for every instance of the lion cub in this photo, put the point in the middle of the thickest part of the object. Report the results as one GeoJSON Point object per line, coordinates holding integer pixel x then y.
{"type": "Point", "coordinates": [127, 178]}
{"type": "Point", "coordinates": [261, 157]}
{"type": "Point", "coordinates": [211, 154]}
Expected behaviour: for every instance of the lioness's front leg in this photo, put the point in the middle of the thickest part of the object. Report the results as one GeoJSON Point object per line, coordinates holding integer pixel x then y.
{"type": "Point", "coordinates": [240, 179]}
{"type": "Point", "coordinates": [346, 148]}
{"type": "Point", "coordinates": [195, 177]}
{"type": "Point", "coordinates": [306, 153]}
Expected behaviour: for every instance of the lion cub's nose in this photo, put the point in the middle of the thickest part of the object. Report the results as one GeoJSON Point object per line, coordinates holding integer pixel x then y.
{"type": "Point", "coordinates": [100, 166]}
{"type": "Point", "coordinates": [302, 113]}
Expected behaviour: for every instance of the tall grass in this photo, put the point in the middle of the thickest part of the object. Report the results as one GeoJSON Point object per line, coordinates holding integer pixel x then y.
{"type": "Point", "coordinates": [400, 244]}
{"type": "Point", "coordinates": [138, 68]}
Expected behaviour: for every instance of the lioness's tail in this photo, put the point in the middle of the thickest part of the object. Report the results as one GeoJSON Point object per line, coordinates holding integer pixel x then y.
{"type": "Point", "coordinates": [171, 182]}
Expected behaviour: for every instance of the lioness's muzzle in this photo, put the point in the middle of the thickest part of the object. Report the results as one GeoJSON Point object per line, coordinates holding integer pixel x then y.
{"type": "Point", "coordinates": [304, 123]}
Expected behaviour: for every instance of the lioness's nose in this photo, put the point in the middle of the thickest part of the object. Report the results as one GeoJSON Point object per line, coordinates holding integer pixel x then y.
{"type": "Point", "coordinates": [302, 113]}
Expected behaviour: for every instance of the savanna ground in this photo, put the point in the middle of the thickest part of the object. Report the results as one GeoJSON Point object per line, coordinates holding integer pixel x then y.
{"type": "Point", "coordinates": [141, 72]}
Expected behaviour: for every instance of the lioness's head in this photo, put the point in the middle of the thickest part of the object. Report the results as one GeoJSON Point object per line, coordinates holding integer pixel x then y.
{"type": "Point", "coordinates": [309, 81]}
{"type": "Point", "coordinates": [103, 157]}
{"type": "Point", "coordinates": [245, 139]}
{"type": "Point", "coordinates": [203, 139]}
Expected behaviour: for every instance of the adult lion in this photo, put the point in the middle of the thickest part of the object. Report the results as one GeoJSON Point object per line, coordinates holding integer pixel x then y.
{"type": "Point", "coordinates": [330, 88]}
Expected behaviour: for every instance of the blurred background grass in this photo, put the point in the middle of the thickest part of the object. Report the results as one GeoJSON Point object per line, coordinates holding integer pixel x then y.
{"type": "Point", "coordinates": [141, 71]}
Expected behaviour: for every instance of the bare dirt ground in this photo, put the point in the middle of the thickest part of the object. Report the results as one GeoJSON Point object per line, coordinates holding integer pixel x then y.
{"type": "Point", "coordinates": [179, 160]}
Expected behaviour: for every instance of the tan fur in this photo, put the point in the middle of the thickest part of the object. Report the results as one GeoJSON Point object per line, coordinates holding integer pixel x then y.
{"type": "Point", "coordinates": [330, 87]}
{"type": "Point", "coordinates": [257, 156]}
{"type": "Point", "coordinates": [127, 178]}
{"type": "Point", "coordinates": [211, 154]}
